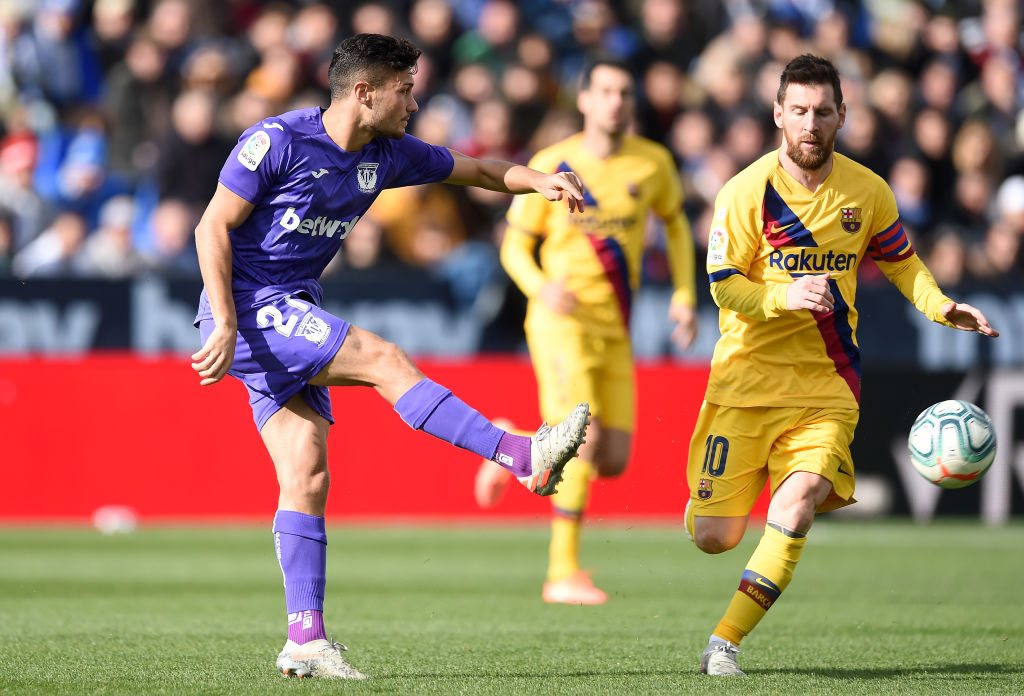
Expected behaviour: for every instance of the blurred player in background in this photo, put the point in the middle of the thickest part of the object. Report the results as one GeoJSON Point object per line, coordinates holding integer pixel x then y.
{"type": "Point", "coordinates": [580, 295]}
{"type": "Point", "coordinates": [782, 401]}
{"type": "Point", "coordinates": [289, 193]}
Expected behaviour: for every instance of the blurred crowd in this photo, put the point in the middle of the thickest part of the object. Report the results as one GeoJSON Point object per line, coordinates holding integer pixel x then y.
{"type": "Point", "coordinates": [118, 114]}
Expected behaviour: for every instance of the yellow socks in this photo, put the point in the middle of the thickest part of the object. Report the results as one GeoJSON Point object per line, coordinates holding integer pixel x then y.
{"type": "Point", "coordinates": [567, 507]}
{"type": "Point", "coordinates": [767, 574]}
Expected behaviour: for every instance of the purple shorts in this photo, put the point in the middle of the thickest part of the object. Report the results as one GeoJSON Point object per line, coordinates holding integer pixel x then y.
{"type": "Point", "coordinates": [281, 346]}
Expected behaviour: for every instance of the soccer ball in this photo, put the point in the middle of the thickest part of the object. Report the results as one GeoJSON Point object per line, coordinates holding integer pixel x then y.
{"type": "Point", "coordinates": [952, 443]}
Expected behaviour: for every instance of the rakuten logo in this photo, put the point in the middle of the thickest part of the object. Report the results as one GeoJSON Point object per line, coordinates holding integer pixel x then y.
{"type": "Point", "coordinates": [319, 226]}
{"type": "Point", "coordinates": [809, 262]}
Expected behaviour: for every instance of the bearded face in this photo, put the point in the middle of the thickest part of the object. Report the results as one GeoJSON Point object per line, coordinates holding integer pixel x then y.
{"type": "Point", "coordinates": [810, 120]}
{"type": "Point", "coordinates": [810, 151]}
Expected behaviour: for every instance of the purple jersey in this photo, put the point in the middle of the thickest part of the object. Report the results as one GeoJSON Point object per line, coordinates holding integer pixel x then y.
{"type": "Point", "coordinates": [308, 194]}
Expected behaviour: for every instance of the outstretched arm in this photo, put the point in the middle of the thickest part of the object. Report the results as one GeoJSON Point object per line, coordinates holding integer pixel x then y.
{"type": "Point", "coordinates": [226, 211]}
{"type": "Point", "coordinates": [967, 318]}
{"type": "Point", "coordinates": [497, 175]}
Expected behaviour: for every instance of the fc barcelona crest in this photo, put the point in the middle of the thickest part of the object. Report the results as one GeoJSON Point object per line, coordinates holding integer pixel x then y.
{"type": "Point", "coordinates": [851, 219]}
{"type": "Point", "coordinates": [704, 489]}
{"type": "Point", "coordinates": [366, 176]}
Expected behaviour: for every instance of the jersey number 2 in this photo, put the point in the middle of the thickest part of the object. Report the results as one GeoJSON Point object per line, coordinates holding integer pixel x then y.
{"type": "Point", "coordinates": [271, 313]}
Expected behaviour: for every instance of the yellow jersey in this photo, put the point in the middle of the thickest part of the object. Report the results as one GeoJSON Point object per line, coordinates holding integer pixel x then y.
{"type": "Point", "coordinates": [767, 230]}
{"type": "Point", "coordinates": [598, 252]}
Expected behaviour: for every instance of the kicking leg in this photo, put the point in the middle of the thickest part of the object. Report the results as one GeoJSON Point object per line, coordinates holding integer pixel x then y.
{"type": "Point", "coordinates": [366, 359]}
{"type": "Point", "coordinates": [492, 478]}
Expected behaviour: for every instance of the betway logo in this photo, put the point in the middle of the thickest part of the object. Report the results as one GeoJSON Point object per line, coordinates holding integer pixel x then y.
{"type": "Point", "coordinates": [809, 262]}
{"type": "Point", "coordinates": [319, 226]}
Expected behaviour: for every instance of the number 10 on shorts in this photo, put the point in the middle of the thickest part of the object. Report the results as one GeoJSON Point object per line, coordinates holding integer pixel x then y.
{"type": "Point", "coordinates": [716, 451]}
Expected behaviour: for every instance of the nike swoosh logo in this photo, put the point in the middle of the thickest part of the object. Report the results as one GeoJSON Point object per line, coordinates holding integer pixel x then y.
{"type": "Point", "coordinates": [843, 471]}
{"type": "Point", "coordinates": [273, 125]}
{"type": "Point", "coordinates": [317, 175]}
{"type": "Point", "coordinates": [763, 583]}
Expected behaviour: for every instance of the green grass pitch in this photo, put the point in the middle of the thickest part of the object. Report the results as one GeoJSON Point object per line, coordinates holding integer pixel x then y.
{"type": "Point", "coordinates": [875, 608]}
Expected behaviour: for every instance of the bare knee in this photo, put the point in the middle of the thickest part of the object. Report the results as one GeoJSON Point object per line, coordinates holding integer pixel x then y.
{"type": "Point", "coordinates": [608, 467]}
{"type": "Point", "coordinates": [305, 488]}
{"type": "Point", "coordinates": [607, 449]}
{"type": "Point", "coordinates": [390, 358]}
{"type": "Point", "coordinates": [717, 534]}
{"type": "Point", "coordinates": [713, 543]}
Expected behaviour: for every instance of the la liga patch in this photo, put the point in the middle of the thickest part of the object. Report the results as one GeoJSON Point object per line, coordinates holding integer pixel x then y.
{"type": "Point", "coordinates": [718, 242]}
{"type": "Point", "coordinates": [254, 150]}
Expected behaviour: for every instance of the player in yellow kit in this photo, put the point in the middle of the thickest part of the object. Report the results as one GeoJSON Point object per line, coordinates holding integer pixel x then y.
{"type": "Point", "coordinates": [782, 401]}
{"type": "Point", "coordinates": [580, 295]}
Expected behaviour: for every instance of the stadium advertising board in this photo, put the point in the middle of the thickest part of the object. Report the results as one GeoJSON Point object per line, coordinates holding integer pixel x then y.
{"type": "Point", "coordinates": [120, 429]}
{"type": "Point", "coordinates": [154, 315]}
{"type": "Point", "coordinates": [127, 423]}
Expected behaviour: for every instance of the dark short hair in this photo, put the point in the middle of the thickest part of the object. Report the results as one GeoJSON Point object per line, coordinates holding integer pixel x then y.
{"type": "Point", "coordinates": [370, 57]}
{"type": "Point", "coordinates": [810, 70]}
{"type": "Point", "coordinates": [596, 62]}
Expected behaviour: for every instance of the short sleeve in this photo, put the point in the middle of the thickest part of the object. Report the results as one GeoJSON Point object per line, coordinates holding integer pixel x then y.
{"type": "Point", "coordinates": [256, 161]}
{"type": "Point", "coordinates": [419, 162]}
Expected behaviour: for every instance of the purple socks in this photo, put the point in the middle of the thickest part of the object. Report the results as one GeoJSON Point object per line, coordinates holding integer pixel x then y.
{"type": "Point", "coordinates": [300, 541]}
{"type": "Point", "coordinates": [430, 407]}
{"type": "Point", "coordinates": [513, 453]}
{"type": "Point", "coordinates": [304, 626]}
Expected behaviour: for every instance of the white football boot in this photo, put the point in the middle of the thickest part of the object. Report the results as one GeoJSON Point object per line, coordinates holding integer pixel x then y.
{"type": "Point", "coordinates": [320, 659]}
{"type": "Point", "coordinates": [552, 448]}
{"type": "Point", "coordinates": [719, 659]}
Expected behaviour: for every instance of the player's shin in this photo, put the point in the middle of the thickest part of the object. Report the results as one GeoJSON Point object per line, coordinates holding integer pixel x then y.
{"type": "Point", "coordinates": [767, 574]}
{"type": "Point", "coordinates": [435, 410]}
{"type": "Point", "coordinates": [300, 541]}
{"type": "Point", "coordinates": [567, 506]}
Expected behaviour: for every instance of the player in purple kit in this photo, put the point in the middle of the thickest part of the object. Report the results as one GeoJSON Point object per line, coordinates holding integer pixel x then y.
{"type": "Point", "coordinates": [290, 192]}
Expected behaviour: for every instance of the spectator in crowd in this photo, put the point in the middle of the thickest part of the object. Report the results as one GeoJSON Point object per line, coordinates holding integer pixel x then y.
{"type": "Point", "coordinates": [670, 31]}
{"type": "Point", "coordinates": [1010, 202]}
{"type": "Point", "coordinates": [312, 35]}
{"type": "Point", "coordinates": [931, 139]}
{"type": "Point", "coordinates": [48, 60]}
{"type": "Point", "coordinates": [83, 178]}
{"type": "Point", "coordinates": [997, 256]}
{"type": "Point", "coordinates": [939, 83]}
{"type": "Point", "coordinates": [136, 105]}
{"type": "Point", "coordinates": [55, 252]}
{"type": "Point", "coordinates": [111, 30]}
{"type": "Point", "coordinates": [170, 23]}
{"type": "Point", "coordinates": [211, 67]}
{"type": "Point", "coordinates": [970, 206]}
{"type": "Point", "coordinates": [910, 181]}
{"type": "Point", "coordinates": [946, 256]}
{"type": "Point", "coordinates": [18, 197]}
{"type": "Point", "coordinates": [171, 250]}
{"type": "Point", "coordinates": [860, 138]}
{"type": "Point", "coordinates": [6, 243]}
{"type": "Point", "coordinates": [433, 27]}
{"type": "Point", "coordinates": [191, 152]}
{"type": "Point", "coordinates": [108, 251]}
{"type": "Point", "coordinates": [662, 86]}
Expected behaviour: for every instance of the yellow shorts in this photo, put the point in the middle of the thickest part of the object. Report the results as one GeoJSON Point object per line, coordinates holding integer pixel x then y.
{"type": "Point", "coordinates": [735, 450]}
{"type": "Point", "coordinates": [572, 367]}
